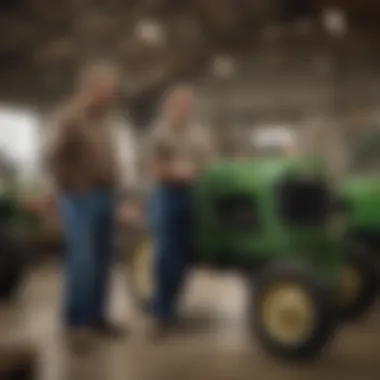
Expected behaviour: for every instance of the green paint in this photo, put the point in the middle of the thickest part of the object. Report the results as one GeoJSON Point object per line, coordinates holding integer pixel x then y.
{"type": "Point", "coordinates": [318, 247]}
{"type": "Point", "coordinates": [362, 195]}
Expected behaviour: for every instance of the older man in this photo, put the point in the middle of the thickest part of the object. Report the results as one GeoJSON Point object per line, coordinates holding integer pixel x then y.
{"type": "Point", "coordinates": [82, 162]}
{"type": "Point", "coordinates": [177, 150]}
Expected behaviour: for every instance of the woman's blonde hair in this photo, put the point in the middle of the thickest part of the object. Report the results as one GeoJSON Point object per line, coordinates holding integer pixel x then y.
{"type": "Point", "coordinates": [173, 92]}
{"type": "Point", "coordinates": [95, 72]}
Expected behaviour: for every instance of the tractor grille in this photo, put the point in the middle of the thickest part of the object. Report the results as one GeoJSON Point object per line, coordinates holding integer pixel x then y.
{"type": "Point", "coordinates": [237, 212]}
{"type": "Point", "coordinates": [304, 202]}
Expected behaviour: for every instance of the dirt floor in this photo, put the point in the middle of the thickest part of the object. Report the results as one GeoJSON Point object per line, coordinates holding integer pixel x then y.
{"type": "Point", "coordinates": [213, 345]}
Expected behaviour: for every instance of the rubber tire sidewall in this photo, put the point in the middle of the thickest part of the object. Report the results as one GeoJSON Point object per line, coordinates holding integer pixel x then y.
{"type": "Point", "coordinates": [323, 301]}
{"type": "Point", "coordinates": [362, 259]}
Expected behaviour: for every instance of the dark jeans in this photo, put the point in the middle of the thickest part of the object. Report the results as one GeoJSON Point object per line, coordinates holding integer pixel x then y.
{"type": "Point", "coordinates": [171, 224]}
{"type": "Point", "coordinates": [88, 224]}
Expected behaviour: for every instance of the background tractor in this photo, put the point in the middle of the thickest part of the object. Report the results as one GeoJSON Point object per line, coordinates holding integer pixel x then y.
{"type": "Point", "coordinates": [16, 228]}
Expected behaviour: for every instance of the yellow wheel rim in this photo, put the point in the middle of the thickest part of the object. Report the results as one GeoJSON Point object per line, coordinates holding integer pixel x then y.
{"type": "Point", "coordinates": [288, 313]}
{"type": "Point", "coordinates": [142, 269]}
{"type": "Point", "coordinates": [350, 285]}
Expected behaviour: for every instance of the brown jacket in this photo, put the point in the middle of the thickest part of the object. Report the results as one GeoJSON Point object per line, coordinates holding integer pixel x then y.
{"type": "Point", "coordinates": [79, 152]}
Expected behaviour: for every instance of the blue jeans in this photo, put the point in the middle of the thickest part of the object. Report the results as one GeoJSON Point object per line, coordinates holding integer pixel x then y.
{"type": "Point", "coordinates": [171, 224]}
{"type": "Point", "coordinates": [88, 225]}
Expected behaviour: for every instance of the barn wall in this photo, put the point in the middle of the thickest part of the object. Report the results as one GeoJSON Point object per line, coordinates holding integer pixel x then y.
{"type": "Point", "coordinates": [325, 82]}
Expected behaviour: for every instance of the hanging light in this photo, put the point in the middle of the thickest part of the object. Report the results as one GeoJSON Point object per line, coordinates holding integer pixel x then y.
{"type": "Point", "coordinates": [223, 67]}
{"type": "Point", "coordinates": [273, 135]}
{"type": "Point", "coordinates": [150, 32]}
{"type": "Point", "coordinates": [335, 22]}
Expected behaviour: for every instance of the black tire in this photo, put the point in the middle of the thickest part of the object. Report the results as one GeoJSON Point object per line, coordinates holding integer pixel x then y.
{"type": "Point", "coordinates": [11, 266]}
{"type": "Point", "coordinates": [364, 262]}
{"type": "Point", "coordinates": [325, 312]}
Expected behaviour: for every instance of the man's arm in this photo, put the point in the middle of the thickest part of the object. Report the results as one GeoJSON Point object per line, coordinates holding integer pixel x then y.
{"type": "Point", "coordinates": [61, 147]}
{"type": "Point", "coordinates": [64, 141]}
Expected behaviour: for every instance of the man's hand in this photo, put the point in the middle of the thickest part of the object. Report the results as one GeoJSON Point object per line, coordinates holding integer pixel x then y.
{"type": "Point", "coordinates": [35, 204]}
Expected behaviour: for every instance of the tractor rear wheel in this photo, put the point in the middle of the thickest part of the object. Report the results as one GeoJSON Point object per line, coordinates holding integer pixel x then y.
{"type": "Point", "coordinates": [359, 283]}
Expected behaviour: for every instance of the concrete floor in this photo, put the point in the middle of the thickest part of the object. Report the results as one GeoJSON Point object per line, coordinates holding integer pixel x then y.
{"type": "Point", "coordinates": [215, 346]}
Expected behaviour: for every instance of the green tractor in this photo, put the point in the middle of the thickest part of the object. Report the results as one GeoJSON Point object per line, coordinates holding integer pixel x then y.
{"type": "Point", "coordinates": [277, 221]}
{"type": "Point", "coordinates": [359, 198]}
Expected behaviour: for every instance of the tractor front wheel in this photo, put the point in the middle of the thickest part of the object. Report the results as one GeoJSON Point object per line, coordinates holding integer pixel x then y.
{"type": "Point", "coordinates": [293, 312]}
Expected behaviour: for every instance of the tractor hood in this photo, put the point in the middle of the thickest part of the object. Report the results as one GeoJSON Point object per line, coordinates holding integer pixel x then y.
{"type": "Point", "coordinates": [266, 170]}
{"type": "Point", "coordinates": [361, 196]}
{"type": "Point", "coordinates": [361, 186]}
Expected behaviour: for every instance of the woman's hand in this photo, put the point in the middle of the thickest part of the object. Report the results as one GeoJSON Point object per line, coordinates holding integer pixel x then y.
{"type": "Point", "coordinates": [184, 171]}
{"type": "Point", "coordinates": [129, 215]}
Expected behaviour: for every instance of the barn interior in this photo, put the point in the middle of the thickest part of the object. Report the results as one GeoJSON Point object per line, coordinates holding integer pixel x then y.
{"type": "Point", "coordinates": [269, 75]}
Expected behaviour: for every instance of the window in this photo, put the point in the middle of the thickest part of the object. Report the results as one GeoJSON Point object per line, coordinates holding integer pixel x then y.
{"type": "Point", "coordinates": [20, 140]}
